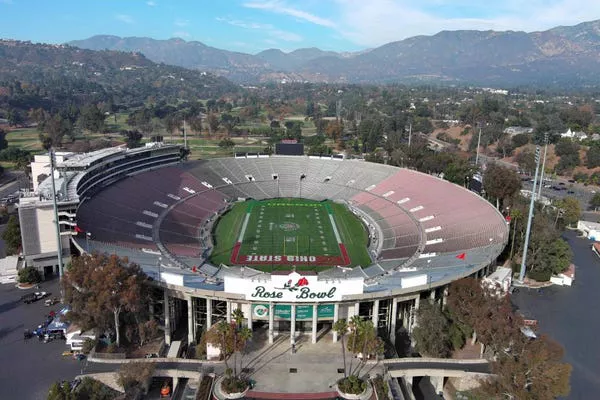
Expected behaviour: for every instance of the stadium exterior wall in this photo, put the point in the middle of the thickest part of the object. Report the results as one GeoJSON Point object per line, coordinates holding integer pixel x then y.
{"type": "Point", "coordinates": [390, 309]}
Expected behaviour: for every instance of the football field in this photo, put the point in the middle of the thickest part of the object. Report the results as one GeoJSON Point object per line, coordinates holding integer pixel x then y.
{"type": "Point", "coordinates": [285, 232]}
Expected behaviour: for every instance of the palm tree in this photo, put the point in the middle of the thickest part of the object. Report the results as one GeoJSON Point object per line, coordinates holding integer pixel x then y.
{"type": "Point", "coordinates": [354, 326]}
{"type": "Point", "coordinates": [244, 336]}
{"type": "Point", "coordinates": [238, 316]}
{"type": "Point", "coordinates": [341, 328]}
{"type": "Point", "coordinates": [223, 328]}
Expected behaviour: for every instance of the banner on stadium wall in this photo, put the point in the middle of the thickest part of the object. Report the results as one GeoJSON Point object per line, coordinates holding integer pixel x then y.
{"type": "Point", "coordinates": [284, 311]}
{"type": "Point", "coordinates": [293, 288]}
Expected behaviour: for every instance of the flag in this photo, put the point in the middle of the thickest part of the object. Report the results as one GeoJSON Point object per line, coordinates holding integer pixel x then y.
{"type": "Point", "coordinates": [461, 256]}
{"type": "Point", "coordinates": [78, 229]}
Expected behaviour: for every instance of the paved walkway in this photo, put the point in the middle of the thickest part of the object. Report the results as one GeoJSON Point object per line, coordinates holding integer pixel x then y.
{"type": "Point", "coordinates": [316, 365]}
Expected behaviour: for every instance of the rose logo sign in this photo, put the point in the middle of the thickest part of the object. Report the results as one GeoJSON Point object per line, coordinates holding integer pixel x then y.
{"type": "Point", "coordinates": [292, 288]}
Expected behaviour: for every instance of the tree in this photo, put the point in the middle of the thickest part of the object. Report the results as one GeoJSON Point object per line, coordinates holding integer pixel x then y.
{"type": "Point", "coordinates": [213, 123]}
{"type": "Point", "coordinates": [3, 141]}
{"type": "Point", "coordinates": [133, 138]}
{"type": "Point", "coordinates": [99, 288]}
{"type": "Point", "coordinates": [60, 391]}
{"type": "Point", "coordinates": [29, 275]}
{"type": "Point", "coordinates": [364, 343]}
{"type": "Point", "coordinates": [88, 389]}
{"type": "Point", "coordinates": [500, 183]}
{"type": "Point", "coordinates": [531, 369]}
{"type": "Point", "coordinates": [229, 122]}
{"type": "Point", "coordinates": [196, 124]}
{"type": "Point", "coordinates": [341, 328]}
{"type": "Point", "coordinates": [12, 235]}
{"type": "Point", "coordinates": [432, 331]}
{"type": "Point", "coordinates": [147, 331]}
{"type": "Point", "coordinates": [592, 159]}
{"type": "Point", "coordinates": [520, 140]}
{"type": "Point", "coordinates": [570, 210]}
{"type": "Point", "coordinates": [92, 118]}
{"type": "Point", "coordinates": [231, 338]}
{"type": "Point", "coordinates": [568, 151]}
{"type": "Point", "coordinates": [226, 143]}
{"type": "Point", "coordinates": [595, 201]}
{"type": "Point", "coordinates": [526, 161]}
{"type": "Point", "coordinates": [334, 130]}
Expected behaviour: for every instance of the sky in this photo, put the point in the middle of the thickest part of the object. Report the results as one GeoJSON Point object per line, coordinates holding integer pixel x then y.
{"type": "Point", "coordinates": [253, 25]}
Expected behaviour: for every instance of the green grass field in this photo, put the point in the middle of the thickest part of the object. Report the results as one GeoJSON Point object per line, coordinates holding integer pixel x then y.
{"type": "Point", "coordinates": [279, 233]}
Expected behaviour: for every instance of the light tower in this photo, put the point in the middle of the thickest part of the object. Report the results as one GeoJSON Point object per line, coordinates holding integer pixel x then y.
{"type": "Point", "coordinates": [530, 217]}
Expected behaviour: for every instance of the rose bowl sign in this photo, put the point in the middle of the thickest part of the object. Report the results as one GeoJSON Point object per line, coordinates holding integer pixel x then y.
{"type": "Point", "coordinates": [293, 288]}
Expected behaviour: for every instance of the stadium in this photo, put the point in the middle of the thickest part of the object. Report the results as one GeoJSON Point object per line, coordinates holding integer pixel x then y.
{"type": "Point", "coordinates": [295, 242]}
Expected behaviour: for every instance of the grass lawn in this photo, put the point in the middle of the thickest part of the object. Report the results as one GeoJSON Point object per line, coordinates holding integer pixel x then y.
{"type": "Point", "coordinates": [278, 233]}
{"type": "Point", "coordinates": [119, 124]}
{"type": "Point", "coordinates": [25, 138]}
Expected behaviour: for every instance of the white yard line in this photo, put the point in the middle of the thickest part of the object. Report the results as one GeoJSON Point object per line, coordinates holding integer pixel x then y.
{"type": "Point", "coordinates": [243, 230]}
{"type": "Point", "coordinates": [335, 229]}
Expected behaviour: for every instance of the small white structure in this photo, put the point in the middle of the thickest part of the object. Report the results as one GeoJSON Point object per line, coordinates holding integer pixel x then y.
{"type": "Point", "coordinates": [574, 135]}
{"type": "Point", "coordinates": [589, 229]}
{"type": "Point", "coordinates": [564, 278]}
{"type": "Point", "coordinates": [75, 338]}
{"type": "Point", "coordinates": [499, 281]}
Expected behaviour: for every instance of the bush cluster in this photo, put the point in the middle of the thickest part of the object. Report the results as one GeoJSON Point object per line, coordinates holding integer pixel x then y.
{"type": "Point", "coordinates": [352, 385]}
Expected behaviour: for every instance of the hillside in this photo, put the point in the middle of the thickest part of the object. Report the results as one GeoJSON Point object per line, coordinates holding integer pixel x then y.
{"type": "Point", "coordinates": [562, 56]}
{"type": "Point", "coordinates": [52, 75]}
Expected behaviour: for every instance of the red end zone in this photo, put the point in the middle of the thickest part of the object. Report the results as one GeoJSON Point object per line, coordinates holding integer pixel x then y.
{"type": "Point", "coordinates": [248, 259]}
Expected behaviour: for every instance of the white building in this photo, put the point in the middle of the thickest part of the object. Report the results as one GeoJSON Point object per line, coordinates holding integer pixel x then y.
{"type": "Point", "coordinates": [590, 230]}
{"type": "Point", "coordinates": [40, 166]}
{"type": "Point", "coordinates": [574, 135]}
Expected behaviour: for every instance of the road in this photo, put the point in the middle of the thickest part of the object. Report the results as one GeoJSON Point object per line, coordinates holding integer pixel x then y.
{"type": "Point", "coordinates": [568, 315]}
{"type": "Point", "coordinates": [29, 368]}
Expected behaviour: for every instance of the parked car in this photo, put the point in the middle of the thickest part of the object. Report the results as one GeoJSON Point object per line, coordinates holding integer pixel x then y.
{"type": "Point", "coordinates": [51, 302]}
{"type": "Point", "coordinates": [33, 297]}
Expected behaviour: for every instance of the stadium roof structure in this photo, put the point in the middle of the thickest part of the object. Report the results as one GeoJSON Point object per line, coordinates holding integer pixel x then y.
{"type": "Point", "coordinates": [425, 231]}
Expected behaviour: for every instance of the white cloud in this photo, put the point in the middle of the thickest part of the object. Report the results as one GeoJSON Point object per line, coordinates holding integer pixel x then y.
{"type": "Point", "coordinates": [245, 24]}
{"type": "Point", "coordinates": [125, 18]}
{"type": "Point", "coordinates": [266, 28]}
{"type": "Point", "coordinates": [151, 3]}
{"type": "Point", "coordinates": [181, 22]}
{"type": "Point", "coordinates": [377, 22]}
{"type": "Point", "coordinates": [282, 8]}
{"type": "Point", "coordinates": [182, 34]}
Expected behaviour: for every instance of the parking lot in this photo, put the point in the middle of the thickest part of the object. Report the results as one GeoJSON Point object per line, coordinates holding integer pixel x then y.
{"type": "Point", "coordinates": [29, 368]}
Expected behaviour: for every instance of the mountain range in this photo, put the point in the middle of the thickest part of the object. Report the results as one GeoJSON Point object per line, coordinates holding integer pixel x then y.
{"type": "Point", "coordinates": [566, 55]}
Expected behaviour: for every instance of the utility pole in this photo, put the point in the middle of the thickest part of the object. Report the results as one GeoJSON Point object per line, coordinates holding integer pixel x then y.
{"type": "Point", "coordinates": [184, 135]}
{"type": "Point", "coordinates": [409, 134]}
{"type": "Point", "coordinates": [478, 143]}
{"type": "Point", "coordinates": [530, 217]}
{"type": "Point", "coordinates": [543, 165]}
{"type": "Point", "coordinates": [56, 223]}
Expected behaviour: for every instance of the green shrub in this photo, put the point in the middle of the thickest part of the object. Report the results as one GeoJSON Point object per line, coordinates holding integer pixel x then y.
{"type": "Point", "coordinates": [88, 345]}
{"type": "Point", "coordinates": [540, 276]}
{"type": "Point", "coordinates": [352, 385]}
{"type": "Point", "coordinates": [233, 384]}
{"type": "Point", "coordinates": [29, 275]}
